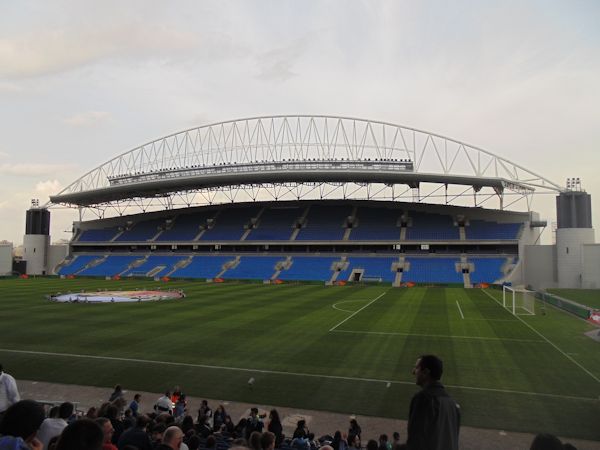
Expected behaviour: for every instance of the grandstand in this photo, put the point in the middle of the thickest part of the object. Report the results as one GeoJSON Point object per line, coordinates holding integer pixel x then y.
{"type": "Point", "coordinates": [364, 200]}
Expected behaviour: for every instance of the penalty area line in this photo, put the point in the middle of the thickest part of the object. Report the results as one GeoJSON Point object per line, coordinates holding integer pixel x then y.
{"type": "Point", "coordinates": [570, 358]}
{"type": "Point", "coordinates": [460, 310]}
{"type": "Point", "coordinates": [278, 372]}
{"type": "Point", "coordinates": [359, 310]}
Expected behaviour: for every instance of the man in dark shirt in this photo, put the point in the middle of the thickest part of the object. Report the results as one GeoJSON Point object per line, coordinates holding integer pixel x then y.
{"type": "Point", "coordinates": [434, 417]}
{"type": "Point", "coordinates": [137, 436]}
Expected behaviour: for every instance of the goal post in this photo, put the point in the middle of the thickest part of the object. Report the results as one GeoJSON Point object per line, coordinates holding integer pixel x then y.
{"type": "Point", "coordinates": [518, 301]}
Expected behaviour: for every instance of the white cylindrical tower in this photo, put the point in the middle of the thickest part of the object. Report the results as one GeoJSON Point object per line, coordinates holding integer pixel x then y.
{"type": "Point", "coordinates": [574, 214]}
{"type": "Point", "coordinates": [36, 239]}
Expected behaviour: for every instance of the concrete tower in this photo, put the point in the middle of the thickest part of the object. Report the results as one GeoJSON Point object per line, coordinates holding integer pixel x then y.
{"type": "Point", "coordinates": [36, 239]}
{"type": "Point", "coordinates": [574, 214]}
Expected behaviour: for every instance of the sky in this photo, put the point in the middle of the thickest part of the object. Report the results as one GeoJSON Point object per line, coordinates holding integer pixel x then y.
{"type": "Point", "coordinates": [82, 81]}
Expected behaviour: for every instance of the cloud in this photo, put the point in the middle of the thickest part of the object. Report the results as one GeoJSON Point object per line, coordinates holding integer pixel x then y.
{"type": "Point", "coordinates": [9, 88]}
{"type": "Point", "coordinates": [48, 187]}
{"type": "Point", "coordinates": [277, 64]}
{"type": "Point", "coordinates": [3, 154]}
{"type": "Point", "coordinates": [87, 118]}
{"type": "Point", "coordinates": [33, 169]}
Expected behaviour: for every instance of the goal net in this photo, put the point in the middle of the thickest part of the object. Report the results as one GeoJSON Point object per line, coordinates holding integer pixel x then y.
{"type": "Point", "coordinates": [518, 301]}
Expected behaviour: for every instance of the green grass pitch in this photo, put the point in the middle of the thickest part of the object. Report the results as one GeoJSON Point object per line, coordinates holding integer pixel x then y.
{"type": "Point", "coordinates": [587, 297]}
{"type": "Point", "coordinates": [346, 349]}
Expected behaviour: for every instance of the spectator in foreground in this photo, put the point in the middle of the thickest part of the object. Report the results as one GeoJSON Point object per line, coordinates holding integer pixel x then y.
{"type": "Point", "coordinates": [19, 425]}
{"type": "Point", "coordinates": [83, 434]}
{"type": "Point", "coordinates": [434, 417]}
{"type": "Point", "coordinates": [9, 394]}
{"type": "Point", "coordinates": [137, 435]}
{"type": "Point", "coordinates": [275, 427]}
{"type": "Point", "coordinates": [107, 432]}
{"type": "Point", "coordinates": [545, 441]}
{"type": "Point", "coordinates": [52, 427]}
{"type": "Point", "coordinates": [267, 441]}
{"type": "Point", "coordinates": [172, 439]}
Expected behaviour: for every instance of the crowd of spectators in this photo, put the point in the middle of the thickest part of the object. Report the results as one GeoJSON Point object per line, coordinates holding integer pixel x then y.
{"type": "Point", "coordinates": [119, 425]}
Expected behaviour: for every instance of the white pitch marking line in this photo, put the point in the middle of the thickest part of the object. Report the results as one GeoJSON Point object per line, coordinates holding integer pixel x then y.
{"type": "Point", "coordinates": [460, 310]}
{"type": "Point", "coordinates": [334, 306]}
{"type": "Point", "coordinates": [297, 374]}
{"type": "Point", "coordinates": [548, 341]}
{"type": "Point", "coordinates": [444, 336]}
{"type": "Point", "coordinates": [357, 311]}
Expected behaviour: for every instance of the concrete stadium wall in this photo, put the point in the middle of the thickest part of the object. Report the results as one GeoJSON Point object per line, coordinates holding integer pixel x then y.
{"type": "Point", "coordinates": [56, 255]}
{"type": "Point", "coordinates": [540, 268]}
{"type": "Point", "coordinates": [569, 251]}
{"type": "Point", "coordinates": [5, 259]}
{"type": "Point", "coordinates": [591, 266]}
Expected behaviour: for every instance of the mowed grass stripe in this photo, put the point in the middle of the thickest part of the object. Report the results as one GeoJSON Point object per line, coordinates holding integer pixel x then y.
{"type": "Point", "coordinates": [284, 329]}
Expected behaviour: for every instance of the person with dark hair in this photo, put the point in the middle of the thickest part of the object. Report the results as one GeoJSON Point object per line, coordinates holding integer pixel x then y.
{"type": "Point", "coordinates": [9, 394]}
{"type": "Point", "coordinates": [354, 428]}
{"type": "Point", "coordinates": [267, 441]}
{"type": "Point", "coordinates": [301, 430]}
{"type": "Point", "coordinates": [383, 442]}
{"type": "Point", "coordinates": [112, 414]}
{"type": "Point", "coordinates": [83, 434]}
{"type": "Point", "coordinates": [253, 423]}
{"type": "Point", "coordinates": [107, 431]}
{"type": "Point", "coordinates": [134, 406]}
{"type": "Point", "coordinates": [193, 442]}
{"type": "Point", "coordinates": [219, 418]}
{"type": "Point", "coordinates": [275, 427]}
{"type": "Point", "coordinates": [434, 417]}
{"type": "Point", "coordinates": [372, 445]}
{"type": "Point", "coordinates": [137, 435]}
{"type": "Point", "coordinates": [20, 424]}
{"type": "Point", "coordinates": [544, 441]}
{"type": "Point", "coordinates": [117, 393]}
{"type": "Point", "coordinates": [53, 426]}
{"type": "Point", "coordinates": [254, 440]}
{"type": "Point", "coordinates": [339, 441]}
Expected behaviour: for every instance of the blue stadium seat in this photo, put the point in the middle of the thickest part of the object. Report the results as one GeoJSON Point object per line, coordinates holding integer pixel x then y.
{"type": "Point", "coordinates": [153, 262]}
{"type": "Point", "coordinates": [487, 270]}
{"type": "Point", "coordinates": [275, 224]}
{"type": "Point", "coordinates": [98, 235]}
{"type": "Point", "coordinates": [432, 270]}
{"type": "Point", "coordinates": [484, 230]}
{"type": "Point", "coordinates": [376, 224]}
{"type": "Point", "coordinates": [111, 266]}
{"type": "Point", "coordinates": [427, 226]}
{"type": "Point", "coordinates": [141, 231]}
{"type": "Point", "coordinates": [76, 264]}
{"type": "Point", "coordinates": [374, 267]}
{"type": "Point", "coordinates": [254, 268]}
{"type": "Point", "coordinates": [229, 224]}
{"type": "Point", "coordinates": [185, 228]}
{"type": "Point", "coordinates": [325, 223]}
{"type": "Point", "coordinates": [203, 267]}
{"type": "Point", "coordinates": [306, 268]}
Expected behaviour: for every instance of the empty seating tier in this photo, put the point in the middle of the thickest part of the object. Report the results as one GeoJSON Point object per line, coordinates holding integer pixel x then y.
{"type": "Point", "coordinates": [98, 235]}
{"type": "Point", "coordinates": [254, 268]}
{"type": "Point", "coordinates": [426, 226]}
{"type": "Point", "coordinates": [432, 270]}
{"type": "Point", "coordinates": [229, 224]}
{"type": "Point", "coordinates": [482, 230]}
{"type": "Point", "coordinates": [376, 224]}
{"type": "Point", "coordinates": [305, 268]}
{"type": "Point", "coordinates": [325, 223]}
{"type": "Point", "coordinates": [275, 224]}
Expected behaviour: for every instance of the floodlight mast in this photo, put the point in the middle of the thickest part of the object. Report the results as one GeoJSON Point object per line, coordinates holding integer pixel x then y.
{"type": "Point", "coordinates": [289, 152]}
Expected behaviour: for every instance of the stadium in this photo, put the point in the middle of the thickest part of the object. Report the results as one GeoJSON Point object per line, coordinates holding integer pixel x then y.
{"type": "Point", "coordinates": [320, 255]}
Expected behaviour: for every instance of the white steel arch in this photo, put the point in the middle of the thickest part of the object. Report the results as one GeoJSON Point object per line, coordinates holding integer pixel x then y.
{"type": "Point", "coordinates": [294, 153]}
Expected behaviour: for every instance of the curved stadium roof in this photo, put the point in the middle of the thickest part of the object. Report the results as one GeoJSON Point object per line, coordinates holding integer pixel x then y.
{"type": "Point", "coordinates": [295, 151]}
